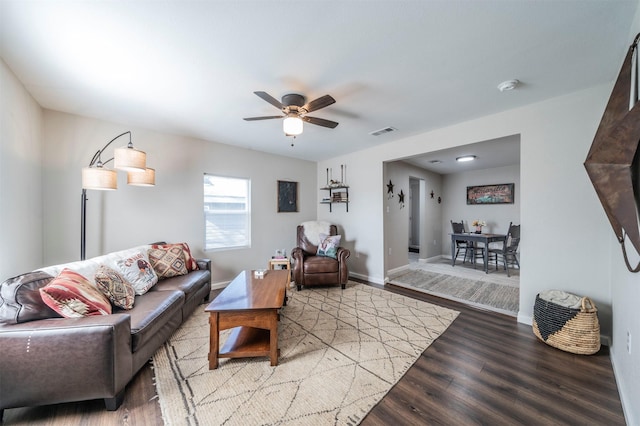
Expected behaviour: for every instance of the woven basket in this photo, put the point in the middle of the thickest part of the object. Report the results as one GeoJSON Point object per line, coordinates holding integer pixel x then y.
{"type": "Point", "coordinates": [569, 329]}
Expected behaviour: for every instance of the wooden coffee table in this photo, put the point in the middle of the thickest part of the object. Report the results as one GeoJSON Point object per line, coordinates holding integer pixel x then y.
{"type": "Point", "coordinates": [250, 306]}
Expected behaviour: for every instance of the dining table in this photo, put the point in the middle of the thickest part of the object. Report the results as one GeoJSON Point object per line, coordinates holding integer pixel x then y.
{"type": "Point", "coordinates": [472, 237]}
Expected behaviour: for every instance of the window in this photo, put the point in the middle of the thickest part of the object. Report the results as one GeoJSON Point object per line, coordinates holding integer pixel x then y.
{"type": "Point", "coordinates": [227, 212]}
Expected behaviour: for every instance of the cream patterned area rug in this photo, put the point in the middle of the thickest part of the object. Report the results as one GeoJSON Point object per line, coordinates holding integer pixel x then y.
{"type": "Point", "coordinates": [493, 292]}
{"type": "Point", "coordinates": [341, 351]}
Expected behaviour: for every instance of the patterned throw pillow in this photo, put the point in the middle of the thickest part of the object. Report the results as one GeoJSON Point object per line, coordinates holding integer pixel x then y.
{"type": "Point", "coordinates": [72, 296]}
{"type": "Point", "coordinates": [190, 262]}
{"type": "Point", "coordinates": [168, 262]}
{"type": "Point", "coordinates": [328, 245]}
{"type": "Point", "coordinates": [138, 272]}
{"type": "Point", "coordinates": [115, 287]}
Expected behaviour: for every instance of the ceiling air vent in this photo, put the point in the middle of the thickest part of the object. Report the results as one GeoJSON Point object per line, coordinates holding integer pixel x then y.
{"type": "Point", "coordinates": [383, 131]}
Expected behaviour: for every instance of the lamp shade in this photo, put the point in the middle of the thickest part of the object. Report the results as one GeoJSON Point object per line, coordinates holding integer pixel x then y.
{"type": "Point", "coordinates": [129, 159]}
{"type": "Point", "coordinates": [146, 178]}
{"type": "Point", "coordinates": [99, 178]}
{"type": "Point", "coordinates": [292, 125]}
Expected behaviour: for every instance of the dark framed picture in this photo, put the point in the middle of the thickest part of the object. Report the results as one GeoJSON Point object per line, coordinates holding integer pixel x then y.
{"type": "Point", "coordinates": [287, 196]}
{"type": "Point", "coordinates": [490, 194]}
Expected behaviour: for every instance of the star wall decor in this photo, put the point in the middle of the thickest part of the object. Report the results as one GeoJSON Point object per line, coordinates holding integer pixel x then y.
{"type": "Point", "coordinates": [390, 189]}
{"type": "Point", "coordinates": [432, 194]}
{"type": "Point", "coordinates": [613, 161]}
{"type": "Point", "coordinates": [401, 198]}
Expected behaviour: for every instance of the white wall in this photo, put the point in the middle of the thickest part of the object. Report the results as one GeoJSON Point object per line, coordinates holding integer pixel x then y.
{"type": "Point", "coordinates": [625, 300]}
{"type": "Point", "coordinates": [20, 178]}
{"type": "Point", "coordinates": [173, 209]}
{"type": "Point", "coordinates": [497, 216]}
{"type": "Point", "coordinates": [625, 295]}
{"type": "Point", "coordinates": [361, 227]}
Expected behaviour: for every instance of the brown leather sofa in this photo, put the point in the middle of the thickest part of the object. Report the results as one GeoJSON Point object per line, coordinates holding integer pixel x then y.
{"type": "Point", "coordinates": [310, 269]}
{"type": "Point", "coordinates": [57, 360]}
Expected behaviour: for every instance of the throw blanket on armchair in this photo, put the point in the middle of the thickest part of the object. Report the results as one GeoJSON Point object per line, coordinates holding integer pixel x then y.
{"type": "Point", "coordinates": [313, 229]}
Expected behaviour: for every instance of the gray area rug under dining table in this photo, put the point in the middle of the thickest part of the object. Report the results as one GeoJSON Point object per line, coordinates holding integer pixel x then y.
{"type": "Point", "coordinates": [481, 293]}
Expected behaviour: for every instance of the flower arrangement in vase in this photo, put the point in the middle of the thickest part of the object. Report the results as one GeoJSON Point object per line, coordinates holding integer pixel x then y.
{"type": "Point", "coordinates": [478, 224]}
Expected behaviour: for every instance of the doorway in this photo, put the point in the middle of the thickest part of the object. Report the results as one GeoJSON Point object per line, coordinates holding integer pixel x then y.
{"type": "Point", "coordinates": [416, 218]}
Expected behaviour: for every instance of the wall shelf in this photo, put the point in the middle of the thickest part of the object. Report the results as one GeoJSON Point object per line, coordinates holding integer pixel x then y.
{"type": "Point", "coordinates": [337, 195]}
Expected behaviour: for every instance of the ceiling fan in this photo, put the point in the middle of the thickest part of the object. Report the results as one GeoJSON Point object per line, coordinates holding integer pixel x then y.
{"type": "Point", "coordinates": [295, 111]}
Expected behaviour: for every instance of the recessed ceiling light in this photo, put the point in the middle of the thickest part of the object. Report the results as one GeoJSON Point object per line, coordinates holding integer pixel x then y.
{"type": "Point", "coordinates": [466, 158]}
{"type": "Point", "coordinates": [508, 85]}
{"type": "Point", "coordinates": [435, 161]}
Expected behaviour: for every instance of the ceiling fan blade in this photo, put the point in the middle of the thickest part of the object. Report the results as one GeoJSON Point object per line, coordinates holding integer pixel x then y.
{"type": "Point", "coordinates": [321, 102]}
{"type": "Point", "coordinates": [268, 117]}
{"type": "Point", "coordinates": [320, 122]}
{"type": "Point", "coordinates": [267, 97]}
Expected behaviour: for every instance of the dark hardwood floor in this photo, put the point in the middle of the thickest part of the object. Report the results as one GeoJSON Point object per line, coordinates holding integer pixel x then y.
{"type": "Point", "coordinates": [489, 369]}
{"type": "Point", "coordinates": [485, 369]}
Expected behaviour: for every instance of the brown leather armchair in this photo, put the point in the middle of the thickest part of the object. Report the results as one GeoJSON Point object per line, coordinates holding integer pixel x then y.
{"type": "Point", "coordinates": [310, 269]}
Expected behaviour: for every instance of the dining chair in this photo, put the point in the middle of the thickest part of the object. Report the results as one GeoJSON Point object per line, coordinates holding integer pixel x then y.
{"type": "Point", "coordinates": [509, 250]}
{"type": "Point", "coordinates": [465, 246]}
{"type": "Point", "coordinates": [477, 252]}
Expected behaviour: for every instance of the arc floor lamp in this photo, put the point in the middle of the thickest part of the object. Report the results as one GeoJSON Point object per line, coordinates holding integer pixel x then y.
{"type": "Point", "coordinates": [96, 177]}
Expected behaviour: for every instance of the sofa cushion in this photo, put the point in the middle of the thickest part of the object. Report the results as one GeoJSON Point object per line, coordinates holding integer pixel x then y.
{"type": "Point", "coordinates": [150, 313]}
{"type": "Point", "coordinates": [138, 272]}
{"type": "Point", "coordinates": [72, 296]}
{"type": "Point", "coordinates": [115, 287]}
{"type": "Point", "coordinates": [190, 262]}
{"type": "Point", "coordinates": [168, 262]}
{"type": "Point", "coordinates": [20, 299]}
{"type": "Point", "coordinates": [328, 245]}
{"type": "Point", "coordinates": [188, 284]}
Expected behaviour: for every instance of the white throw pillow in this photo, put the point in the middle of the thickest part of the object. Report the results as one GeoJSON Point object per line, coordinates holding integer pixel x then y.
{"type": "Point", "coordinates": [137, 270]}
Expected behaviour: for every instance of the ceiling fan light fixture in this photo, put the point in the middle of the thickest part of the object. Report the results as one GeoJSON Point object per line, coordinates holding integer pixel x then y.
{"type": "Point", "coordinates": [292, 125]}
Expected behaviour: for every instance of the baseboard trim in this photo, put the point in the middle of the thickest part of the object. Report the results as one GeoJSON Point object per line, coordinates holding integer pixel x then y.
{"type": "Point", "coordinates": [367, 278]}
{"type": "Point", "coordinates": [396, 270]}
{"type": "Point", "coordinates": [525, 319]}
{"type": "Point", "coordinates": [433, 259]}
{"type": "Point", "coordinates": [620, 379]}
{"type": "Point", "coordinates": [218, 285]}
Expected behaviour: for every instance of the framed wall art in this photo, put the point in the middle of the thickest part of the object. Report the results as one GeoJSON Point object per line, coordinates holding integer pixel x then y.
{"type": "Point", "coordinates": [287, 196]}
{"type": "Point", "coordinates": [490, 194]}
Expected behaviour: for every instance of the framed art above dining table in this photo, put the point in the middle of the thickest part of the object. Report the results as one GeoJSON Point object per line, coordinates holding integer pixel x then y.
{"type": "Point", "coordinates": [491, 194]}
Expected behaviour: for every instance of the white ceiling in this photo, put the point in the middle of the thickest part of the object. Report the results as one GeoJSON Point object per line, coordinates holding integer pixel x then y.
{"type": "Point", "coordinates": [489, 154]}
{"type": "Point", "coordinates": [191, 67]}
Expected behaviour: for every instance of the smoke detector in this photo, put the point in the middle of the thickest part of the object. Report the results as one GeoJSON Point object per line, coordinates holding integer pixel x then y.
{"type": "Point", "coordinates": [508, 85]}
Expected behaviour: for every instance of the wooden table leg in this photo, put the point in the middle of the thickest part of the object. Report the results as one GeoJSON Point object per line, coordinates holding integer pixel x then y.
{"type": "Point", "coordinates": [214, 340]}
{"type": "Point", "coordinates": [273, 338]}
